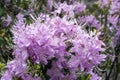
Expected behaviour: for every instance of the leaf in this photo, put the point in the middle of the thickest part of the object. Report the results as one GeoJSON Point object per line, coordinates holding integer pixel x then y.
{"type": "Point", "coordinates": [1, 41]}
{"type": "Point", "coordinates": [1, 11]}
{"type": "Point", "coordinates": [2, 66]}
{"type": "Point", "coordinates": [88, 77]}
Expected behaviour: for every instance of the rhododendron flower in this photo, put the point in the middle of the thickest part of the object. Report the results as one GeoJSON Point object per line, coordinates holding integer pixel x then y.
{"type": "Point", "coordinates": [113, 20]}
{"type": "Point", "coordinates": [104, 3]}
{"type": "Point", "coordinates": [79, 8]}
{"type": "Point", "coordinates": [7, 20]}
{"type": "Point", "coordinates": [95, 77]}
{"type": "Point", "coordinates": [60, 40]}
{"type": "Point", "coordinates": [93, 22]}
{"type": "Point", "coordinates": [115, 7]}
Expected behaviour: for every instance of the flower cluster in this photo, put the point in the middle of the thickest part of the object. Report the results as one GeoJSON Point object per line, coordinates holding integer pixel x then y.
{"type": "Point", "coordinates": [71, 50]}
{"type": "Point", "coordinates": [113, 18]}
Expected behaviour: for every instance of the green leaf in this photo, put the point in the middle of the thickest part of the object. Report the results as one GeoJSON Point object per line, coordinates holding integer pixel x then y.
{"type": "Point", "coordinates": [1, 11]}
{"type": "Point", "coordinates": [88, 77]}
{"type": "Point", "coordinates": [2, 66]}
{"type": "Point", "coordinates": [1, 41]}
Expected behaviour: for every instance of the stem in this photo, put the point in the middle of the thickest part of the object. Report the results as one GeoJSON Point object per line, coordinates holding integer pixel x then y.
{"type": "Point", "coordinates": [117, 69]}
{"type": "Point", "coordinates": [107, 78]}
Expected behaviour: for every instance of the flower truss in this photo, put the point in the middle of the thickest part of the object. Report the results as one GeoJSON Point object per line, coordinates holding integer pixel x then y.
{"type": "Point", "coordinates": [61, 40]}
